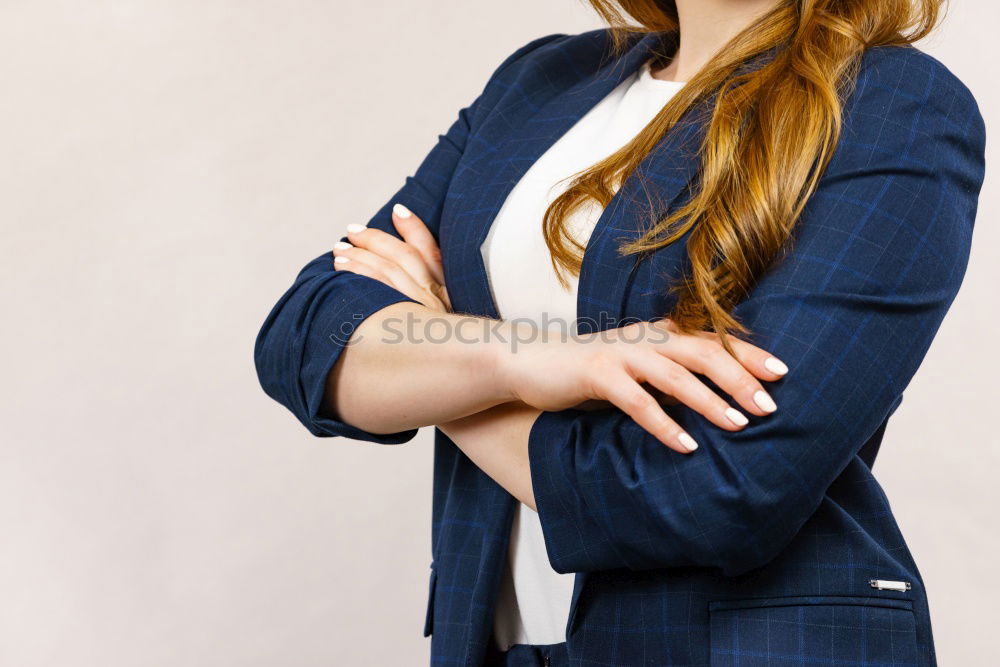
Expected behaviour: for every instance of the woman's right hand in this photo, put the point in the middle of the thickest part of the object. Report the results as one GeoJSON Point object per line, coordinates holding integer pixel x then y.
{"type": "Point", "coordinates": [614, 365]}
{"type": "Point", "coordinates": [411, 264]}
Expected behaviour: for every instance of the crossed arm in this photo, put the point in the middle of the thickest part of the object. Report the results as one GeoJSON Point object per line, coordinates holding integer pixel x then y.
{"type": "Point", "coordinates": [486, 397]}
{"type": "Point", "coordinates": [879, 255]}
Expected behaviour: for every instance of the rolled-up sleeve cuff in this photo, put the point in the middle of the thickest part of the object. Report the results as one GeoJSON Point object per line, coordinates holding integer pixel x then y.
{"type": "Point", "coordinates": [345, 307]}
{"type": "Point", "coordinates": [575, 542]}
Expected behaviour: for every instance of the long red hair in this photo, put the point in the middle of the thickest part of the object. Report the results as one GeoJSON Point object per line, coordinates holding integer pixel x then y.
{"type": "Point", "coordinates": [771, 134]}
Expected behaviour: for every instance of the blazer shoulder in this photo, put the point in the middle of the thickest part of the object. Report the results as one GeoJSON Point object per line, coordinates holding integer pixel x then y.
{"type": "Point", "coordinates": [530, 51]}
{"type": "Point", "coordinates": [911, 121]}
{"type": "Point", "coordinates": [907, 72]}
{"type": "Point", "coordinates": [901, 93]}
{"type": "Point", "coordinates": [544, 66]}
{"type": "Point", "coordinates": [555, 53]}
{"type": "Point", "coordinates": [910, 63]}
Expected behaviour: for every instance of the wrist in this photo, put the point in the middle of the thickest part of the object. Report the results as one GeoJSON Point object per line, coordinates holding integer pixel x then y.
{"type": "Point", "coordinates": [503, 357]}
{"type": "Point", "coordinates": [497, 363]}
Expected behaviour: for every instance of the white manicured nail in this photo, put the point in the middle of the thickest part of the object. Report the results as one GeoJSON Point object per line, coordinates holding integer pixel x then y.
{"type": "Point", "coordinates": [687, 441]}
{"type": "Point", "coordinates": [354, 228]}
{"type": "Point", "coordinates": [775, 366]}
{"type": "Point", "coordinates": [401, 211]}
{"type": "Point", "coordinates": [341, 260]}
{"type": "Point", "coordinates": [737, 417]}
{"type": "Point", "coordinates": [764, 401]}
{"type": "Point", "coordinates": [340, 245]}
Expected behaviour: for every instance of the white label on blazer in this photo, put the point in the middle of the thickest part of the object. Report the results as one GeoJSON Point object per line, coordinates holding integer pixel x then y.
{"type": "Point", "coordinates": [884, 585]}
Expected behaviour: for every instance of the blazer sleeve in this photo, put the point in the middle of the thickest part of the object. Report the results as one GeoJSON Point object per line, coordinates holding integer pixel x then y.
{"type": "Point", "coordinates": [308, 328]}
{"type": "Point", "coordinates": [879, 255]}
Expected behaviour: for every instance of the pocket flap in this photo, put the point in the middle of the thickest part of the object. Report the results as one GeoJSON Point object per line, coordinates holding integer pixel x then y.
{"type": "Point", "coordinates": [827, 630]}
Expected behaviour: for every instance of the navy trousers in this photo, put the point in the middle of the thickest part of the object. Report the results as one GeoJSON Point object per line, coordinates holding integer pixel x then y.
{"type": "Point", "coordinates": [527, 655]}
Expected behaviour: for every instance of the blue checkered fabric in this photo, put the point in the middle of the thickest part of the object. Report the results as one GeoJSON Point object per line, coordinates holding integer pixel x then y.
{"type": "Point", "coordinates": [758, 549]}
{"type": "Point", "coordinates": [785, 632]}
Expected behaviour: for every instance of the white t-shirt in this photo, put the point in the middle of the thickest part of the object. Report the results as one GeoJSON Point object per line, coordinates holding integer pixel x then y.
{"type": "Point", "coordinates": [534, 600]}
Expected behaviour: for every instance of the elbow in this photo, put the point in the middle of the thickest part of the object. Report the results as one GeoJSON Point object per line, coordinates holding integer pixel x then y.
{"type": "Point", "coordinates": [761, 540]}
{"type": "Point", "coordinates": [747, 532]}
{"type": "Point", "coordinates": [736, 559]}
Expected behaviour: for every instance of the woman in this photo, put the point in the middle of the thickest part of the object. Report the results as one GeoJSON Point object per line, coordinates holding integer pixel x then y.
{"type": "Point", "coordinates": [753, 215]}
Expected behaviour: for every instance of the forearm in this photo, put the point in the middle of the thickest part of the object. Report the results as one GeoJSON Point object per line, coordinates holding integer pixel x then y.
{"type": "Point", "coordinates": [408, 366]}
{"type": "Point", "coordinates": [496, 440]}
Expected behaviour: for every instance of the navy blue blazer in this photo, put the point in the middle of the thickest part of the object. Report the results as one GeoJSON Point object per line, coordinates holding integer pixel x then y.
{"type": "Point", "coordinates": [767, 545]}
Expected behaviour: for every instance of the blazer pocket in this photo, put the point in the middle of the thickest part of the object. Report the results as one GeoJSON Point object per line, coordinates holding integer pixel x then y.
{"type": "Point", "coordinates": [826, 630]}
{"type": "Point", "coordinates": [429, 617]}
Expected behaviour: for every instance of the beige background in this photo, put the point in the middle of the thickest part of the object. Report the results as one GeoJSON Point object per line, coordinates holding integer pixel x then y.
{"type": "Point", "coordinates": [167, 167]}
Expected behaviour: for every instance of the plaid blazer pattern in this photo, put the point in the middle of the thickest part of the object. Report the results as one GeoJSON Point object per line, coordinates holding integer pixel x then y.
{"type": "Point", "coordinates": [764, 547]}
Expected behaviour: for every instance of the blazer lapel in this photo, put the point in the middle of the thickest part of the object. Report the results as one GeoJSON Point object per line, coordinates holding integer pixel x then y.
{"type": "Point", "coordinates": [657, 187]}
{"type": "Point", "coordinates": [511, 148]}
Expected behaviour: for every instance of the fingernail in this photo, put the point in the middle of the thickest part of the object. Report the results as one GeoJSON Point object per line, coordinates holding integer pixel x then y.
{"type": "Point", "coordinates": [354, 228]}
{"type": "Point", "coordinates": [775, 365]}
{"type": "Point", "coordinates": [341, 260]}
{"type": "Point", "coordinates": [737, 417]}
{"type": "Point", "coordinates": [687, 441]}
{"type": "Point", "coordinates": [764, 401]}
{"type": "Point", "coordinates": [401, 211]}
{"type": "Point", "coordinates": [340, 245]}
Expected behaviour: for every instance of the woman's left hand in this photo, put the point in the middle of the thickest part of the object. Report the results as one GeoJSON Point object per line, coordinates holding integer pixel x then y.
{"type": "Point", "coordinates": [412, 265]}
